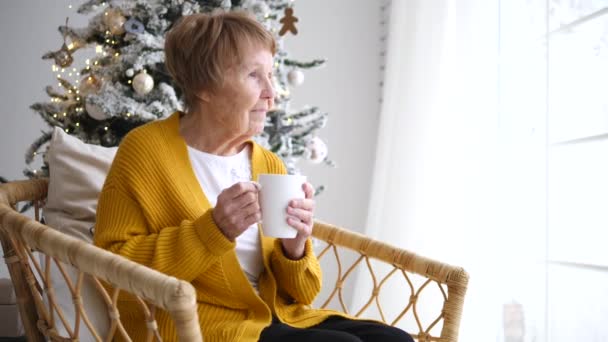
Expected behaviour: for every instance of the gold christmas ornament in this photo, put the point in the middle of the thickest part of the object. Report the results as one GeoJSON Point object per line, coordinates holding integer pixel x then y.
{"type": "Point", "coordinates": [63, 57]}
{"type": "Point", "coordinates": [143, 83]}
{"type": "Point", "coordinates": [89, 85]}
{"type": "Point", "coordinates": [114, 21]}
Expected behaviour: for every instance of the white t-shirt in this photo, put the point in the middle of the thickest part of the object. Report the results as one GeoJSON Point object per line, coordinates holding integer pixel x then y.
{"type": "Point", "coordinates": [216, 173]}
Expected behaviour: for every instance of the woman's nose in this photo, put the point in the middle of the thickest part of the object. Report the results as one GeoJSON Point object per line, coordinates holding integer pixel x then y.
{"type": "Point", "coordinates": [268, 91]}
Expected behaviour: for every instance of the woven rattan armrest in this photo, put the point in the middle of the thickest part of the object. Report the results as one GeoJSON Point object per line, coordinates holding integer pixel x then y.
{"type": "Point", "coordinates": [454, 278]}
{"type": "Point", "coordinates": [21, 235]}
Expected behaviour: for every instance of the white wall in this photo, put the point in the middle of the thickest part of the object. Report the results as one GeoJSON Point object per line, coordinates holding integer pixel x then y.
{"type": "Point", "coordinates": [343, 31]}
{"type": "Point", "coordinates": [346, 33]}
{"type": "Point", "coordinates": [28, 29]}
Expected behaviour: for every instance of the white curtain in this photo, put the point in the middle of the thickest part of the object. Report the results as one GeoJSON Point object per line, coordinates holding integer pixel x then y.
{"type": "Point", "coordinates": [434, 181]}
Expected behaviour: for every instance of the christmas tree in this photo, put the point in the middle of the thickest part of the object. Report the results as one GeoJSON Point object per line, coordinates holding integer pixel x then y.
{"type": "Point", "coordinates": [125, 84]}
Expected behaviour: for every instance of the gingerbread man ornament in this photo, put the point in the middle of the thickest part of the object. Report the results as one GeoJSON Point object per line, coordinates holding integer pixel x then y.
{"type": "Point", "coordinates": [288, 22]}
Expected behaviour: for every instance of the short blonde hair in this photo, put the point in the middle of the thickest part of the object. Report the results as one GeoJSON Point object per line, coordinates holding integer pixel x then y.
{"type": "Point", "coordinates": [200, 47]}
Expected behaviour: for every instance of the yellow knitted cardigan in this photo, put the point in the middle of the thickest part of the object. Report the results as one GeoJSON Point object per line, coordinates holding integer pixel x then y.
{"type": "Point", "coordinates": [152, 210]}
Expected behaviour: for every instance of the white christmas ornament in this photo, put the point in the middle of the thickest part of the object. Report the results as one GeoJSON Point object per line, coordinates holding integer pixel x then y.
{"type": "Point", "coordinates": [143, 83]}
{"type": "Point", "coordinates": [130, 72]}
{"type": "Point", "coordinates": [259, 8]}
{"type": "Point", "coordinates": [295, 77]}
{"type": "Point", "coordinates": [95, 111]}
{"type": "Point", "coordinates": [318, 150]}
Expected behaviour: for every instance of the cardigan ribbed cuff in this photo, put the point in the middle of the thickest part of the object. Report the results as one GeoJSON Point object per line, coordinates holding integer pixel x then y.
{"type": "Point", "coordinates": [211, 236]}
{"type": "Point", "coordinates": [284, 264]}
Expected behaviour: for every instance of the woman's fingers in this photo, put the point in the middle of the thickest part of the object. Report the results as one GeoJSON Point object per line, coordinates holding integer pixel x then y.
{"type": "Point", "coordinates": [309, 190]}
{"type": "Point", "coordinates": [244, 200]}
{"type": "Point", "coordinates": [252, 219]}
{"type": "Point", "coordinates": [304, 228]}
{"type": "Point", "coordinates": [300, 214]}
{"type": "Point", "coordinates": [306, 204]}
{"type": "Point", "coordinates": [237, 208]}
{"type": "Point", "coordinates": [237, 190]}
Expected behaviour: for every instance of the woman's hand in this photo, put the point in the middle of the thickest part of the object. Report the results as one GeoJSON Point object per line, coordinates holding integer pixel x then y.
{"type": "Point", "coordinates": [300, 216]}
{"type": "Point", "coordinates": [236, 209]}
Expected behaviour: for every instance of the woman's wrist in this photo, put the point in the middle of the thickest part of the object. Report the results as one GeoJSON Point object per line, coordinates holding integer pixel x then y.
{"type": "Point", "coordinates": [294, 249]}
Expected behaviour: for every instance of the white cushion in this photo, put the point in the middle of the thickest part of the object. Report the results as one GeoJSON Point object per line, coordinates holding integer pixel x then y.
{"type": "Point", "coordinates": [77, 172]}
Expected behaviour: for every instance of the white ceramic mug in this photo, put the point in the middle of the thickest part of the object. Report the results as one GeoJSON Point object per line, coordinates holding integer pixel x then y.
{"type": "Point", "coordinates": [275, 193]}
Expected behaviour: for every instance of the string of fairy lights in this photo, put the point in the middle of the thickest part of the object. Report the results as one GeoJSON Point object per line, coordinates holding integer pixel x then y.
{"type": "Point", "coordinates": [71, 80]}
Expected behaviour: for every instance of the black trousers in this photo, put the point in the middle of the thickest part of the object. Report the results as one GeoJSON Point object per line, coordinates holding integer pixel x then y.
{"type": "Point", "coordinates": [335, 329]}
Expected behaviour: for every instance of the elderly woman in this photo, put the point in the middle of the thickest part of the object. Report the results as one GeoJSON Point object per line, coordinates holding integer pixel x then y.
{"type": "Point", "coordinates": [179, 198]}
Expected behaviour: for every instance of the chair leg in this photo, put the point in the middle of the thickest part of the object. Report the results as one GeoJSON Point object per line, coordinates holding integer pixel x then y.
{"type": "Point", "coordinates": [25, 301]}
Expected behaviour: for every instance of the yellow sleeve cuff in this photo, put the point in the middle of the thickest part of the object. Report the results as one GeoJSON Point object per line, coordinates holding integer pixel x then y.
{"type": "Point", "coordinates": [211, 236]}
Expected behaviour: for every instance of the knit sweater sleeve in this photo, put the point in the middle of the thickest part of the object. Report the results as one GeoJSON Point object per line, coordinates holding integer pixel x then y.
{"type": "Point", "coordinates": [122, 226]}
{"type": "Point", "coordinates": [302, 278]}
{"type": "Point", "coordinates": [193, 245]}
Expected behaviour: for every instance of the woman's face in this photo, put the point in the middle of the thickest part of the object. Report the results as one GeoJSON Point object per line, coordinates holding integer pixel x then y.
{"type": "Point", "coordinates": [240, 104]}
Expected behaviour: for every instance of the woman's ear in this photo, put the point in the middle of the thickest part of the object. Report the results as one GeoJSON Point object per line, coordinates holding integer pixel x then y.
{"type": "Point", "coordinates": [204, 96]}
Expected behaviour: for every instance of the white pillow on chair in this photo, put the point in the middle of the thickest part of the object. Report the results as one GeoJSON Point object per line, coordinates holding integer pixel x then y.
{"type": "Point", "coordinates": [77, 172]}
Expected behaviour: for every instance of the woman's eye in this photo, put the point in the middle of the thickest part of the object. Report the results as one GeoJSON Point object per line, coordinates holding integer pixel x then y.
{"type": "Point", "coordinates": [253, 74]}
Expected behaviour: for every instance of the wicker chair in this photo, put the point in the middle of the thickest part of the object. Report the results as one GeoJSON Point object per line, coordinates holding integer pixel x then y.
{"type": "Point", "coordinates": [22, 237]}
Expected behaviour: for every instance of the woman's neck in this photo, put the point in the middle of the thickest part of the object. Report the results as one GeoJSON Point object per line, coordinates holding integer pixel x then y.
{"type": "Point", "coordinates": [204, 136]}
